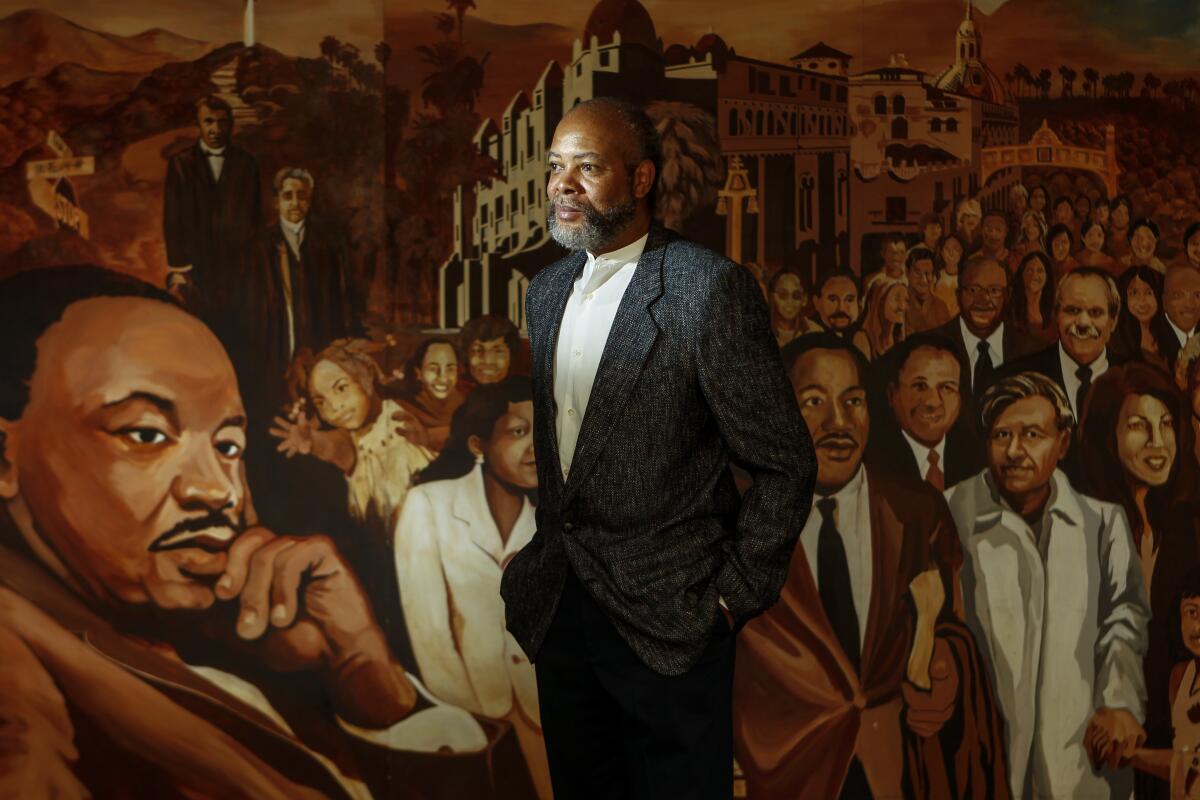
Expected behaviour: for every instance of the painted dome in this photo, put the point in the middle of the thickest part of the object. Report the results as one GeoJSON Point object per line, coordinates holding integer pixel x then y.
{"type": "Point", "coordinates": [627, 16]}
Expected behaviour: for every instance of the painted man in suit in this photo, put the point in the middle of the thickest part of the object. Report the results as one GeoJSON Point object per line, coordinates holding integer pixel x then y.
{"type": "Point", "coordinates": [154, 638]}
{"type": "Point", "coordinates": [978, 333]}
{"type": "Point", "coordinates": [654, 368]}
{"type": "Point", "coordinates": [1053, 592]}
{"type": "Point", "coordinates": [1086, 305]}
{"type": "Point", "coordinates": [1181, 301]}
{"type": "Point", "coordinates": [822, 707]}
{"type": "Point", "coordinates": [927, 433]}
{"type": "Point", "coordinates": [837, 301]}
{"type": "Point", "coordinates": [212, 212]}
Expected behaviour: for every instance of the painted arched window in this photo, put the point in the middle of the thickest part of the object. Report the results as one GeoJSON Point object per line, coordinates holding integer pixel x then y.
{"type": "Point", "coordinates": [880, 104]}
{"type": "Point", "coordinates": [733, 122]}
{"type": "Point", "coordinates": [758, 123]}
{"type": "Point", "coordinates": [898, 104]}
{"type": "Point", "coordinates": [899, 128]}
{"type": "Point", "coordinates": [935, 125]}
{"type": "Point", "coordinates": [952, 125]}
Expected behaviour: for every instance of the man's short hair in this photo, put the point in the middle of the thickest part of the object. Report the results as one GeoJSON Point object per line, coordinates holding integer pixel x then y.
{"type": "Point", "coordinates": [1056, 230]}
{"type": "Point", "coordinates": [1100, 201]}
{"type": "Point", "coordinates": [1148, 224]}
{"type": "Point", "coordinates": [32, 301]}
{"type": "Point", "coordinates": [826, 277]}
{"type": "Point", "coordinates": [919, 253]}
{"type": "Point", "coordinates": [1110, 286]}
{"type": "Point", "coordinates": [888, 240]}
{"type": "Point", "coordinates": [996, 213]}
{"type": "Point", "coordinates": [894, 360]}
{"type": "Point", "coordinates": [1121, 200]}
{"type": "Point", "coordinates": [215, 103]}
{"type": "Point", "coordinates": [1192, 230]}
{"type": "Point", "coordinates": [1006, 391]}
{"type": "Point", "coordinates": [825, 340]}
{"type": "Point", "coordinates": [485, 329]}
{"type": "Point", "coordinates": [976, 262]}
{"type": "Point", "coordinates": [1019, 189]}
{"type": "Point", "coordinates": [296, 173]}
{"type": "Point", "coordinates": [647, 142]}
{"type": "Point", "coordinates": [1063, 198]}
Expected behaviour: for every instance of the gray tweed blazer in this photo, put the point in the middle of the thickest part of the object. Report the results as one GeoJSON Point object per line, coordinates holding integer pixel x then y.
{"type": "Point", "coordinates": [650, 519]}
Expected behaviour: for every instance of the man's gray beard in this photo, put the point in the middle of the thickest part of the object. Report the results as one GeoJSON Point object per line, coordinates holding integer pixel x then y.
{"type": "Point", "coordinates": [599, 228]}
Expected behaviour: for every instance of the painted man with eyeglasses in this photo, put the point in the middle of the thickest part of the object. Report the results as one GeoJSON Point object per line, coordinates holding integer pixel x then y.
{"type": "Point", "coordinates": [978, 332]}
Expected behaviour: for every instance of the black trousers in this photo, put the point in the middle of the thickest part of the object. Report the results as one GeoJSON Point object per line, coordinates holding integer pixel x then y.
{"type": "Point", "coordinates": [615, 728]}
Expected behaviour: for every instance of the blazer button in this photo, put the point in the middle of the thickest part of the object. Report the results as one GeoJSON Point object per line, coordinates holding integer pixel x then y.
{"type": "Point", "coordinates": [568, 527]}
{"type": "Point", "coordinates": [516, 659]}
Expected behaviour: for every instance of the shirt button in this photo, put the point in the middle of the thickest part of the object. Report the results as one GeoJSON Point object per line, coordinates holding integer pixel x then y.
{"type": "Point", "coordinates": [570, 412]}
{"type": "Point", "coordinates": [516, 659]}
{"type": "Point", "coordinates": [568, 527]}
{"type": "Point", "coordinates": [578, 353]}
{"type": "Point", "coordinates": [588, 296]}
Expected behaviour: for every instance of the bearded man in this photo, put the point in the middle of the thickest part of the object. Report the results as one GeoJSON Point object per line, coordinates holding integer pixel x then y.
{"type": "Point", "coordinates": [654, 367]}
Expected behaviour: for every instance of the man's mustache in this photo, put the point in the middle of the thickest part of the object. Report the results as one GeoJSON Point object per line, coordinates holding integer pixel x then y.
{"type": "Point", "coordinates": [1083, 331]}
{"type": "Point", "coordinates": [839, 315]}
{"type": "Point", "coordinates": [214, 531]}
{"type": "Point", "coordinates": [837, 440]}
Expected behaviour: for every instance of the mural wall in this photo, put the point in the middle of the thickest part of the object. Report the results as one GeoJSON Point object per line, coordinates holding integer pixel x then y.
{"type": "Point", "coordinates": [266, 413]}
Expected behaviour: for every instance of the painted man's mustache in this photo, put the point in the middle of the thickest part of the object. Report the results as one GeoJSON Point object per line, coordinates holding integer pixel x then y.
{"type": "Point", "coordinates": [214, 531]}
{"type": "Point", "coordinates": [1083, 331]}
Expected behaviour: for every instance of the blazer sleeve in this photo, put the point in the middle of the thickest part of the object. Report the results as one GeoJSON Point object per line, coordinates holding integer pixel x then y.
{"type": "Point", "coordinates": [175, 233]}
{"type": "Point", "coordinates": [745, 385]}
{"type": "Point", "coordinates": [1124, 619]}
{"type": "Point", "coordinates": [426, 603]}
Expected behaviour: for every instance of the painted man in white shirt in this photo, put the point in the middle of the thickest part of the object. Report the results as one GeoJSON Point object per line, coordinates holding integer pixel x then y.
{"type": "Point", "coordinates": [1181, 300]}
{"type": "Point", "coordinates": [1053, 593]}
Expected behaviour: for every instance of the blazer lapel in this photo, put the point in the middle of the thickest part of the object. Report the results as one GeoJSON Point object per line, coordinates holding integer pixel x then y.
{"type": "Point", "coordinates": [545, 340]}
{"type": "Point", "coordinates": [629, 341]}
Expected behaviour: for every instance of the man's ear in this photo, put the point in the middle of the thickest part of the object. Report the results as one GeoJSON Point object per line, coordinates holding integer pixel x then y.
{"type": "Point", "coordinates": [644, 176]}
{"type": "Point", "coordinates": [8, 459]}
{"type": "Point", "coordinates": [1064, 441]}
{"type": "Point", "coordinates": [475, 445]}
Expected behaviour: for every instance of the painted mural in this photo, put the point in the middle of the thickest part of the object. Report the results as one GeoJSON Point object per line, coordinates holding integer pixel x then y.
{"type": "Point", "coordinates": [266, 407]}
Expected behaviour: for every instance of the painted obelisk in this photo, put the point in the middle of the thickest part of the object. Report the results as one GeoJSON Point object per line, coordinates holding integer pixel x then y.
{"type": "Point", "coordinates": [248, 24]}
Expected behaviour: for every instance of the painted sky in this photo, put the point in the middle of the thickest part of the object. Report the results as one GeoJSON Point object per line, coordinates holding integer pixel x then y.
{"type": "Point", "coordinates": [294, 27]}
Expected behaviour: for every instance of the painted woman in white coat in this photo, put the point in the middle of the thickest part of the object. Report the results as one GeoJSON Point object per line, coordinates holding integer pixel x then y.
{"type": "Point", "coordinates": [470, 512]}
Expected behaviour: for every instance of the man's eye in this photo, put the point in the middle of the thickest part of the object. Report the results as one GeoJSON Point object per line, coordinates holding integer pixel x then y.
{"type": "Point", "coordinates": [854, 402]}
{"type": "Point", "coordinates": [145, 436]}
{"type": "Point", "coordinates": [229, 449]}
{"type": "Point", "coordinates": [813, 402]}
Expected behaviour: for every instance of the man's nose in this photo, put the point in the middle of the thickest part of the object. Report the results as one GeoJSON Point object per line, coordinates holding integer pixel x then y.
{"type": "Point", "coordinates": [1015, 449]}
{"type": "Point", "coordinates": [203, 480]}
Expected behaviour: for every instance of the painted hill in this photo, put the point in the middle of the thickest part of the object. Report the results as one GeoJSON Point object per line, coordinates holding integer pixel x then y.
{"type": "Point", "coordinates": [33, 42]}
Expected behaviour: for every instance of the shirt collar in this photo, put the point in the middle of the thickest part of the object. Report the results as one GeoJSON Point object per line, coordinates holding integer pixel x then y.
{"type": "Point", "coordinates": [922, 452]}
{"type": "Point", "coordinates": [600, 268]}
{"type": "Point", "coordinates": [1181, 334]}
{"type": "Point", "coordinates": [294, 228]}
{"type": "Point", "coordinates": [1069, 366]}
{"type": "Point", "coordinates": [995, 341]}
{"type": "Point", "coordinates": [208, 151]}
{"type": "Point", "coordinates": [992, 508]}
{"type": "Point", "coordinates": [850, 490]}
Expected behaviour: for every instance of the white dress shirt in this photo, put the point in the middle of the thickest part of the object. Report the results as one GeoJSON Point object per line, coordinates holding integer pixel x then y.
{"type": "Point", "coordinates": [586, 323]}
{"type": "Point", "coordinates": [215, 159]}
{"type": "Point", "coordinates": [1071, 381]}
{"type": "Point", "coordinates": [293, 234]}
{"type": "Point", "coordinates": [853, 519]}
{"type": "Point", "coordinates": [995, 345]}
{"type": "Point", "coordinates": [1180, 333]}
{"type": "Point", "coordinates": [921, 453]}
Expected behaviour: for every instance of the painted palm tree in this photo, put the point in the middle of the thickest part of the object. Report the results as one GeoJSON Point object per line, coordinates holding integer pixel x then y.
{"type": "Point", "coordinates": [692, 170]}
{"type": "Point", "coordinates": [383, 54]}
{"type": "Point", "coordinates": [1092, 77]}
{"type": "Point", "coordinates": [330, 47]}
{"type": "Point", "coordinates": [460, 9]}
{"type": "Point", "coordinates": [1068, 80]}
{"type": "Point", "coordinates": [1043, 83]}
{"type": "Point", "coordinates": [1152, 83]}
{"type": "Point", "coordinates": [445, 24]}
{"type": "Point", "coordinates": [1024, 77]}
{"type": "Point", "coordinates": [454, 82]}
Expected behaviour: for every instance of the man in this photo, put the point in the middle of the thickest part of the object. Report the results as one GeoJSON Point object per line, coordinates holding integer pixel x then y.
{"type": "Point", "coordinates": [1181, 300]}
{"type": "Point", "coordinates": [836, 301]}
{"type": "Point", "coordinates": [637, 337]}
{"type": "Point", "coordinates": [297, 298]}
{"type": "Point", "coordinates": [1053, 593]}
{"type": "Point", "coordinates": [154, 638]}
{"type": "Point", "coordinates": [978, 333]}
{"type": "Point", "coordinates": [823, 708]}
{"type": "Point", "coordinates": [489, 347]}
{"type": "Point", "coordinates": [925, 311]}
{"type": "Point", "coordinates": [929, 437]}
{"type": "Point", "coordinates": [1086, 305]}
{"type": "Point", "coordinates": [994, 231]}
{"type": "Point", "coordinates": [1018, 204]}
{"type": "Point", "coordinates": [893, 251]}
{"type": "Point", "coordinates": [212, 211]}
